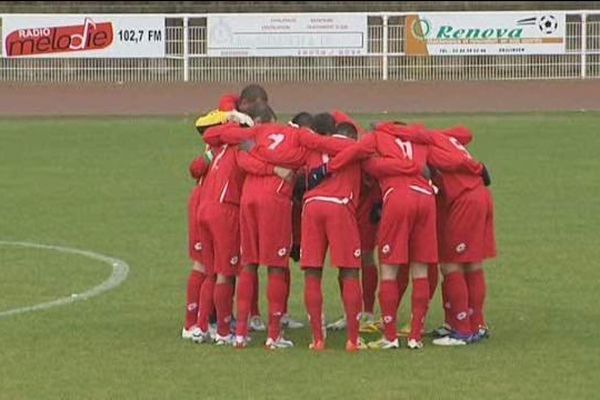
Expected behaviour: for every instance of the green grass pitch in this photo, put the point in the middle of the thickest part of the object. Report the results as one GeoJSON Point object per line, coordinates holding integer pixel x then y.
{"type": "Point", "coordinates": [119, 187]}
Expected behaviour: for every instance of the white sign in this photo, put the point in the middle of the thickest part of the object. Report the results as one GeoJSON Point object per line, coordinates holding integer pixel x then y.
{"type": "Point", "coordinates": [243, 35]}
{"type": "Point", "coordinates": [493, 33]}
{"type": "Point", "coordinates": [106, 36]}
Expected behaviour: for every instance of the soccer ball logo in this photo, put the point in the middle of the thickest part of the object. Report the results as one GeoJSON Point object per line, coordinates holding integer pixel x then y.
{"type": "Point", "coordinates": [547, 24]}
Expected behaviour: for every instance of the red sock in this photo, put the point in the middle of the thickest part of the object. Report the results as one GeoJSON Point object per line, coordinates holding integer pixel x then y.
{"type": "Point", "coordinates": [245, 289]}
{"type": "Point", "coordinates": [288, 282]}
{"type": "Point", "coordinates": [255, 310]}
{"type": "Point", "coordinates": [433, 277]}
{"type": "Point", "coordinates": [193, 297]}
{"type": "Point", "coordinates": [420, 303]}
{"type": "Point", "coordinates": [276, 295]}
{"type": "Point", "coordinates": [458, 299]}
{"type": "Point", "coordinates": [224, 305]}
{"type": "Point", "coordinates": [313, 300]}
{"type": "Point", "coordinates": [369, 287]}
{"type": "Point", "coordinates": [403, 273]}
{"type": "Point", "coordinates": [388, 302]}
{"type": "Point", "coordinates": [352, 305]}
{"type": "Point", "coordinates": [477, 289]}
{"type": "Point", "coordinates": [206, 302]}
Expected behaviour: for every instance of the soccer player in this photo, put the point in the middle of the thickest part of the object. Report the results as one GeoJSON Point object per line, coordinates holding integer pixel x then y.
{"type": "Point", "coordinates": [235, 108]}
{"type": "Point", "coordinates": [197, 170]}
{"type": "Point", "coordinates": [407, 234]}
{"type": "Point", "coordinates": [367, 216]}
{"type": "Point", "coordinates": [218, 221]}
{"type": "Point", "coordinates": [266, 215]}
{"type": "Point", "coordinates": [329, 220]}
{"type": "Point", "coordinates": [466, 237]}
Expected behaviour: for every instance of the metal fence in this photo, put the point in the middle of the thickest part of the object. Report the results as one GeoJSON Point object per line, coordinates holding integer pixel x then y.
{"type": "Point", "coordinates": [187, 61]}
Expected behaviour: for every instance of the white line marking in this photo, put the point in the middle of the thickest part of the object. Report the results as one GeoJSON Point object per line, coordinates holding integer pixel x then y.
{"type": "Point", "coordinates": [118, 276]}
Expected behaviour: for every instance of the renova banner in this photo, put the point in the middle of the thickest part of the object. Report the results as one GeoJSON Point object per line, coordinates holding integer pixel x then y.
{"type": "Point", "coordinates": [106, 36]}
{"type": "Point", "coordinates": [493, 33]}
{"type": "Point", "coordinates": [247, 35]}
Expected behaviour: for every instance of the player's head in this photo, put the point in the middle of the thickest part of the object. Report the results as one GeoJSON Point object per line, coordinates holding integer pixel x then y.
{"type": "Point", "coordinates": [324, 124]}
{"type": "Point", "coordinates": [346, 129]}
{"type": "Point", "coordinates": [303, 119]}
{"type": "Point", "coordinates": [251, 97]}
{"type": "Point", "coordinates": [262, 114]}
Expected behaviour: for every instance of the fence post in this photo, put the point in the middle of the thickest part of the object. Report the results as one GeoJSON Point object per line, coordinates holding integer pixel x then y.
{"type": "Point", "coordinates": [583, 44]}
{"type": "Point", "coordinates": [186, 51]}
{"type": "Point", "coordinates": [385, 48]}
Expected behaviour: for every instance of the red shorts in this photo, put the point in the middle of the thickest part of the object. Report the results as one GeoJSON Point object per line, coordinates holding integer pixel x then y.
{"type": "Point", "coordinates": [407, 232]}
{"type": "Point", "coordinates": [193, 234]}
{"type": "Point", "coordinates": [266, 230]}
{"type": "Point", "coordinates": [219, 245]}
{"type": "Point", "coordinates": [323, 224]}
{"type": "Point", "coordinates": [466, 228]}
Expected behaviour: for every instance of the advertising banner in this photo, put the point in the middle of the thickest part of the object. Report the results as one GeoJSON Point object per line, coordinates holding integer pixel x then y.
{"type": "Point", "coordinates": [493, 33]}
{"type": "Point", "coordinates": [83, 36]}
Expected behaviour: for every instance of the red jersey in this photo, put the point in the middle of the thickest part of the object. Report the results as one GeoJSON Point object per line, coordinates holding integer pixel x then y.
{"type": "Point", "coordinates": [407, 161]}
{"type": "Point", "coordinates": [276, 144]}
{"type": "Point", "coordinates": [343, 186]}
{"type": "Point", "coordinates": [458, 171]}
{"type": "Point", "coordinates": [224, 179]}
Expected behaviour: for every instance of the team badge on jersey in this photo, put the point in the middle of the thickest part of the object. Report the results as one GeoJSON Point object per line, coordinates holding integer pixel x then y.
{"type": "Point", "coordinates": [282, 252]}
{"type": "Point", "coordinates": [461, 248]}
{"type": "Point", "coordinates": [198, 246]}
{"type": "Point", "coordinates": [234, 260]}
{"type": "Point", "coordinates": [357, 253]}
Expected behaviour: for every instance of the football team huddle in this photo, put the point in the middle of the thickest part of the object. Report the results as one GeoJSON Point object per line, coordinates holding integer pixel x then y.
{"type": "Point", "coordinates": [320, 184]}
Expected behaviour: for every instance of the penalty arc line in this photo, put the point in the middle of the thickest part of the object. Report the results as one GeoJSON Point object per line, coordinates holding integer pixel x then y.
{"type": "Point", "coordinates": [120, 270]}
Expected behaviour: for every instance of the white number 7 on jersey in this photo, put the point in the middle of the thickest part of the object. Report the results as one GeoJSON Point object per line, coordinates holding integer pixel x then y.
{"type": "Point", "coordinates": [277, 139]}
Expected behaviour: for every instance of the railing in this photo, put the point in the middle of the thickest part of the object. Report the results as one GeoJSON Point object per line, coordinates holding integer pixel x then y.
{"type": "Point", "coordinates": [187, 60]}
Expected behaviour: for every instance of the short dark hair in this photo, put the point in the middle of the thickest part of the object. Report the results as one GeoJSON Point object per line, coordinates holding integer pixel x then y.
{"type": "Point", "coordinates": [346, 129]}
{"type": "Point", "coordinates": [303, 119]}
{"type": "Point", "coordinates": [324, 124]}
{"type": "Point", "coordinates": [254, 92]}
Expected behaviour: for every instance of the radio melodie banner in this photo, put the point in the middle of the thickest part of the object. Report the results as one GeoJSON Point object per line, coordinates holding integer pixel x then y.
{"type": "Point", "coordinates": [486, 33]}
{"type": "Point", "coordinates": [287, 35]}
{"type": "Point", "coordinates": [83, 36]}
